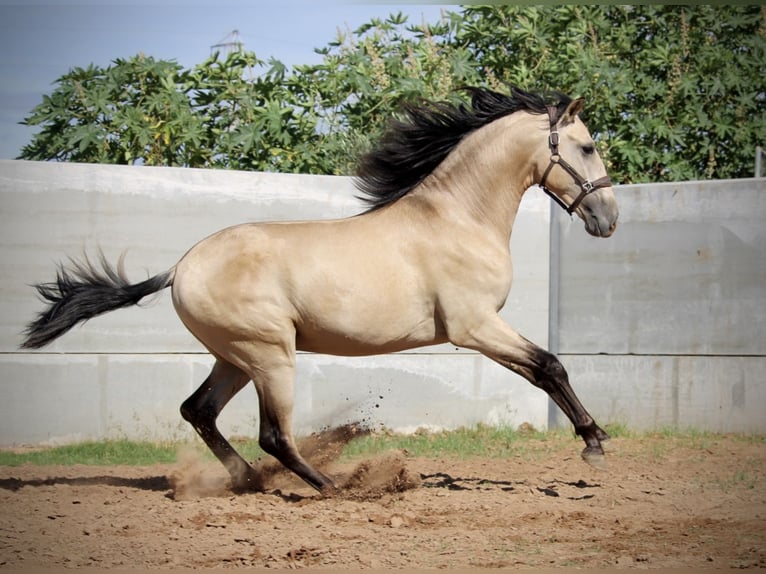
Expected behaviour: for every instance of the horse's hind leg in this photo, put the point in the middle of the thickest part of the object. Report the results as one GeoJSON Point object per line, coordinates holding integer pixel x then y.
{"type": "Point", "coordinates": [275, 394]}
{"type": "Point", "coordinates": [202, 408]}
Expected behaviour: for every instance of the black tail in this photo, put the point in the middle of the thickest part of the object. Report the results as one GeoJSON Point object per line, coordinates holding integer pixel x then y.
{"type": "Point", "coordinates": [83, 292]}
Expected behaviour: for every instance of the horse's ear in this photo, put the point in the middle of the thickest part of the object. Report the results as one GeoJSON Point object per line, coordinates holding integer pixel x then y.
{"type": "Point", "coordinates": [573, 109]}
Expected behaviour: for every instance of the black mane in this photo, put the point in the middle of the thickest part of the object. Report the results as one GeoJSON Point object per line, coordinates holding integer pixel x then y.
{"type": "Point", "coordinates": [414, 145]}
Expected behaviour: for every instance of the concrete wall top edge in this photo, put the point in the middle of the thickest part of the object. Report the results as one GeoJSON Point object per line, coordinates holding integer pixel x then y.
{"type": "Point", "coordinates": [199, 184]}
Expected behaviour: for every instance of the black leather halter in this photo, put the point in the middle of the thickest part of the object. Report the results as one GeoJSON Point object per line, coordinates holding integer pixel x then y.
{"type": "Point", "coordinates": [586, 186]}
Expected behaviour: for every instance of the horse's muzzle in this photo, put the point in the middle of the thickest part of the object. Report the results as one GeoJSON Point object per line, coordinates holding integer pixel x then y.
{"type": "Point", "coordinates": [600, 228]}
{"type": "Point", "coordinates": [600, 215]}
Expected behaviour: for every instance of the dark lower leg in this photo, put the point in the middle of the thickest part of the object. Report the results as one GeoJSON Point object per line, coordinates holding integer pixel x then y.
{"type": "Point", "coordinates": [275, 395]}
{"type": "Point", "coordinates": [549, 374]}
{"type": "Point", "coordinates": [243, 477]}
{"type": "Point", "coordinates": [202, 408]}
{"type": "Point", "coordinates": [282, 447]}
{"type": "Point", "coordinates": [563, 395]}
{"type": "Point", "coordinates": [584, 425]}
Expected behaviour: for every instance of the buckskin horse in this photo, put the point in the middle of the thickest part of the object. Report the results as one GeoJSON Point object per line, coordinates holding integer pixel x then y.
{"type": "Point", "coordinates": [428, 262]}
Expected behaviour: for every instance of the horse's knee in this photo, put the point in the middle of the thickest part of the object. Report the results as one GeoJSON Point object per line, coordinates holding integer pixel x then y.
{"type": "Point", "coordinates": [548, 370]}
{"type": "Point", "coordinates": [554, 369]}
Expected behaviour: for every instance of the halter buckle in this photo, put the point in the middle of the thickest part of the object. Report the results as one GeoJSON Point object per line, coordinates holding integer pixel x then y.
{"type": "Point", "coordinates": [553, 140]}
{"type": "Point", "coordinates": [587, 186]}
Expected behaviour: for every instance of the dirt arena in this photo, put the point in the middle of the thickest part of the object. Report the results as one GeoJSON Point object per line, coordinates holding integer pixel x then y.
{"type": "Point", "coordinates": [663, 502]}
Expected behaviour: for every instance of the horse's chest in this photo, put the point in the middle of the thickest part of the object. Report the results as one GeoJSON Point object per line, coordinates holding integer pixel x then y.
{"type": "Point", "coordinates": [481, 270]}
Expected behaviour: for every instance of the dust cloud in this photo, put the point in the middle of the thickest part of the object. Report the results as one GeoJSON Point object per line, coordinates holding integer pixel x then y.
{"type": "Point", "coordinates": [196, 476]}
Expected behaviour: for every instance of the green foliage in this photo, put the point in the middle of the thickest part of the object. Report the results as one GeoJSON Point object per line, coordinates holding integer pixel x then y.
{"type": "Point", "coordinates": [113, 115]}
{"type": "Point", "coordinates": [368, 73]}
{"type": "Point", "coordinates": [152, 112]}
{"type": "Point", "coordinates": [674, 93]}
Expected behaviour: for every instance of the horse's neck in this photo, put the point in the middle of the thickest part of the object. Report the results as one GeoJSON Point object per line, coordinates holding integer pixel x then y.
{"type": "Point", "coordinates": [484, 177]}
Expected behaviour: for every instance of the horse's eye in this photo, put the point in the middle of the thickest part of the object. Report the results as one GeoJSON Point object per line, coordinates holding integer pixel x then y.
{"type": "Point", "coordinates": [588, 149]}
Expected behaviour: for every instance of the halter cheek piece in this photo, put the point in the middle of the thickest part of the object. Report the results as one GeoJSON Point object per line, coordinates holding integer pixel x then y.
{"type": "Point", "coordinates": [586, 186]}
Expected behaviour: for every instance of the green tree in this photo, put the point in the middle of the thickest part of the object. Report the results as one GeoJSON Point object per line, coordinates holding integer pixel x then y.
{"type": "Point", "coordinates": [674, 93]}
{"type": "Point", "coordinates": [218, 114]}
{"type": "Point", "coordinates": [239, 112]}
{"type": "Point", "coordinates": [114, 115]}
{"type": "Point", "coordinates": [368, 73]}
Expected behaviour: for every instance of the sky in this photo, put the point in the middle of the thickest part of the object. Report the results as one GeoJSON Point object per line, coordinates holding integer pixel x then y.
{"type": "Point", "coordinates": [41, 41]}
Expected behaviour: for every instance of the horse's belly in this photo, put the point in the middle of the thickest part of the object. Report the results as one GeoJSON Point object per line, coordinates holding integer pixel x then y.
{"type": "Point", "coordinates": [370, 334]}
{"type": "Point", "coordinates": [339, 344]}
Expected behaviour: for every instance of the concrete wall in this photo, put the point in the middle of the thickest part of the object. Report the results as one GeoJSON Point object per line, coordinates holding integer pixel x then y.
{"type": "Point", "coordinates": [127, 372]}
{"type": "Point", "coordinates": [665, 322]}
{"type": "Point", "coordinates": [661, 324]}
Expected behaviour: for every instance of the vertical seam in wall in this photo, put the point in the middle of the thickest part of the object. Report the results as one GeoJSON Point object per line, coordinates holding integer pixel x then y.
{"type": "Point", "coordinates": [675, 390]}
{"type": "Point", "coordinates": [478, 375]}
{"type": "Point", "coordinates": [554, 236]}
{"type": "Point", "coordinates": [103, 399]}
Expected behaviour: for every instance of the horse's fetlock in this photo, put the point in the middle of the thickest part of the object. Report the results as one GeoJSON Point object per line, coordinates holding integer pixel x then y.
{"type": "Point", "coordinates": [587, 429]}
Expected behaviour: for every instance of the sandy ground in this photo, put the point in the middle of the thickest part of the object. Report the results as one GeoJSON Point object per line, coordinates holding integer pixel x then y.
{"type": "Point", "coordinates": [662, 503]}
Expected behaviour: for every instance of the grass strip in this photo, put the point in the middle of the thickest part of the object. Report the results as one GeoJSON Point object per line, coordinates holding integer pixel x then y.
{"type": "Point", "coordinates": [479, 441]}
{"type": "Point", "coordinates": [105, 452]}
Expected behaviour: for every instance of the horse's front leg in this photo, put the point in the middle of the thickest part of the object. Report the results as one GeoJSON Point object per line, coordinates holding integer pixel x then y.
{"type": "Point", "coordinates": [495, 339]}
{"type": "Point", "coordinates": [545, 371]}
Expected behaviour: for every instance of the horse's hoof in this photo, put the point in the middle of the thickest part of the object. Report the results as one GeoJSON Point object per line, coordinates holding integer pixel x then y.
{"type": "Point", "coordinates": [329, 490]}
{"type": "Point", "coordinates": [595, 457]}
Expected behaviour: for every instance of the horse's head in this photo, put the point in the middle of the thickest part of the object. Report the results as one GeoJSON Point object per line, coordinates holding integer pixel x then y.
{"type": "Point", "coordinates": [574, 174]}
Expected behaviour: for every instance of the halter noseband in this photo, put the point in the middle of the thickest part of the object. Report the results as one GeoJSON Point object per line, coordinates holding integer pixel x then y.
{"type": "Point", "coordinates": [586, 186]}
